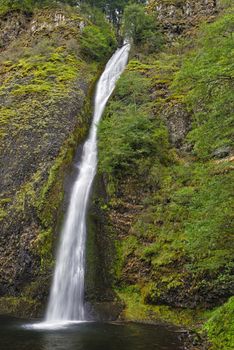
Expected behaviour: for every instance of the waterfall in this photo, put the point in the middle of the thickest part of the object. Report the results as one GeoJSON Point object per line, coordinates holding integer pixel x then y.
{"type": "Point", "coordinates": [66, 301]}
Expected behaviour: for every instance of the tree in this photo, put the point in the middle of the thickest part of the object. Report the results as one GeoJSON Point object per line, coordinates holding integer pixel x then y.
{"type": "Point", "coordinates": [112, 8]}
{"type": "Point", "coordinates": [141, 27]}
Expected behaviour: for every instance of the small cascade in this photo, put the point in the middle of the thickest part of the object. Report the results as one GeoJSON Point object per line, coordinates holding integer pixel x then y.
{"type": "Point", "coordinates": [66, 301]}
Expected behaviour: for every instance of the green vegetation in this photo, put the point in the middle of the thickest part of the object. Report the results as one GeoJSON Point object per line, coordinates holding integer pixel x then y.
{"type": "Point", "coordinates": [137, 310]}
{"type": "Point", "coordinates": [172, 209]}
{"type": "Point", "coordinates": [24, 306]}
{"type": "Point", "coordinates": [168, 209]}
{"type": "Point", "coordinates": [97, 43]}
{"type": "Point", "coordinates": [209, 76]}
{"type": "Point", "coordinates": [220, 327]}
{"type": "Point", "coordinates": [141, 28]}
{"type": "Point", "coordinates": [129, 137]}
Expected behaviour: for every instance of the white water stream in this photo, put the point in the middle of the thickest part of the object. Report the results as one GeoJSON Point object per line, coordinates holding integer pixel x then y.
{"type": "Point", "coordinates": [66, 302]}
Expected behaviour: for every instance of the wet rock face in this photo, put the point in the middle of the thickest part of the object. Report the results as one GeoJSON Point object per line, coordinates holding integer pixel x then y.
{"type": "Point", "coordinates": [178, 16]}
{"type": "Point", "coordinates": [104, 311]}
{"type": "Point", "coordinates": [34, 150]}
{"type": "Point", "coordinates": [178, 121]}
{"type": "Point", "coordinates": [15, 24]}
{"type": "Point", "coordinates": [46, 82]}
{"type": "Point", "coordinates": [11, 26]}
{"type": "Point", "coordinates": [222, 152]}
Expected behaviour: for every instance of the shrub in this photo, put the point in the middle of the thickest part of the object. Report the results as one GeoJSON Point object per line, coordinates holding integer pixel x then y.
{"type": "Point", "coordinates": [220, 327]}
{"type": "Point", "coordinates": [207, 77]}
{"type": "Point", "coordinates": [141, 28]}
{"type": "Point", "coordinates": [96, 43]}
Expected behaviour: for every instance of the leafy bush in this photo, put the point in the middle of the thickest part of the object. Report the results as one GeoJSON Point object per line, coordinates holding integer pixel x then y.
{"type": "Point", "coordinates": [128, 138]}
{"type": "Point", "coordinates": [207, 77]}
{"type": "Point", "coordinates": [142, 28]}
{"type": "Point", "coordinates": [220, 327]}
{"type": "Point", "coordinates": [97, 42]}
{"type": "Point", "coordinates": [128, 135]}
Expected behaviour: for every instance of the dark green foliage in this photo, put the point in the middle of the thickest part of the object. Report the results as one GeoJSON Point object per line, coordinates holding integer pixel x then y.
{"type": "Point", "coordinates": [220, 327]}
{"type": "Point", "coordinates": [142, 28]}
{"type": "Point", "coordinates": [98, 41]}
{"type": "Point", "coordinates": [208, 78]}
{"type": "Point", "coordinates": [130, 137]}
{"type": "Point", "coordinates": [112, 8]}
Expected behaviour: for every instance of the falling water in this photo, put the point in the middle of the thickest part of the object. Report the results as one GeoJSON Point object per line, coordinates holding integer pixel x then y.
{"type": "Point", "coordinates": [66, 302]}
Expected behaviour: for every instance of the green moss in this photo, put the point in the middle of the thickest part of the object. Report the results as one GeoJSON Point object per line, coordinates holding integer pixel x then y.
{"type": "Point", "coordinates": [44, 247]}
{"type": "Point", "coordinates": [206, 77]}
{"type": "Point", "coordinates": [220, 327]}
{"type": "Point", "coordinates": [44, 74]}
{"type": "Point", "coordinates": [137, 310]}
{"type": "Point", "coordinates": [48, 201]}
{"type": "Point", "coordinates": [135, 65]}
{"type": "Point", "coordinates": [122, 251]}
{"type": "Point", "coordinates": [20, 305]}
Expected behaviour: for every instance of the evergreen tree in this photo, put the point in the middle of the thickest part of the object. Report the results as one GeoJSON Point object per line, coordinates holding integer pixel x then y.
{"type": "Point", "coordinates": [141, 27]}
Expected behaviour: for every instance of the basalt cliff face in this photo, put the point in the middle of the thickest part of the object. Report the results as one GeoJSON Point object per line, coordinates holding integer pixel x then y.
{"type": "Point", "coordinates": [182, 16]}
{"type": "Point", "coordinates": [46, 79]}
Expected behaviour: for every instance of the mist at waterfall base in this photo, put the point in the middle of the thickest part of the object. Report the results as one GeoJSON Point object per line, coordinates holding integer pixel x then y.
{"type": "Point", "coordinates": [64, 327]}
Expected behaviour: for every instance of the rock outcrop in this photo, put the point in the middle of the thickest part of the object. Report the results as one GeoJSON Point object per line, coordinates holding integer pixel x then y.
{"type": "Point", "coordinates": [179, 17]}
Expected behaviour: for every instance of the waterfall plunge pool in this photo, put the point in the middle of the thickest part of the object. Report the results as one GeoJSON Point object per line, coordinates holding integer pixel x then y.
{"type": "Point", "coordinates": [18, 334]}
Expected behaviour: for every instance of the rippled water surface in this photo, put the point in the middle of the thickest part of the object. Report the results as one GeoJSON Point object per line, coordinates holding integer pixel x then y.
{"type": "Point", "coordinates": [16, 334]}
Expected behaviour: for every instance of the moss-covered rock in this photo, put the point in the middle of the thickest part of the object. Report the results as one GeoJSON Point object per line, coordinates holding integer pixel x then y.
{"type": "Point", "coordinates": [220, 327]}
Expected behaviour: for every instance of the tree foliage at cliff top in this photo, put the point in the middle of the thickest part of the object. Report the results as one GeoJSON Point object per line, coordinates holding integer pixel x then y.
{"type": "Point", "coordinates": [142, 28]}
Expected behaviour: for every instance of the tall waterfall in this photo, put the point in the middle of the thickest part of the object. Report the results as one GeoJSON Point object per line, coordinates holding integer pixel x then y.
{"type": "Point", "coordinates": [66, 302]}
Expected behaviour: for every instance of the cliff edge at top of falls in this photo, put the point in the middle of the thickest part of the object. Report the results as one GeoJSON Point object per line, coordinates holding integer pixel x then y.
{"type": "Point", "coordinates": [47, 73]}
